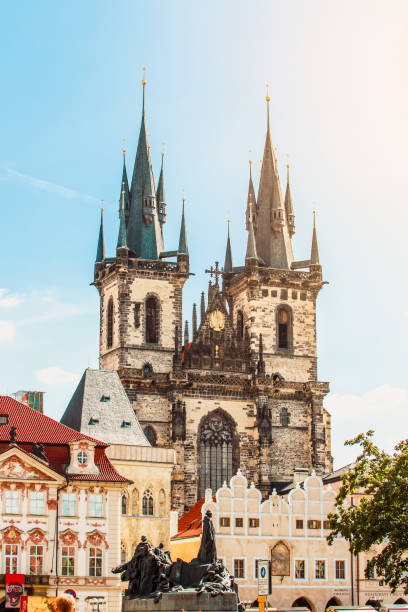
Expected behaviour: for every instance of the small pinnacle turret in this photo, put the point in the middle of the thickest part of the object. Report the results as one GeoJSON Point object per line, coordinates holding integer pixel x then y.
{"type": "Point", "coordinates": [251, 198]}
{"type": "Point", "coordinates": [202, 308]}
{"type": "Point", "coordinates": [290, 216]}
{"type": "Point", "coordinates": [122, 236]}
{"type": "Point", "coordinates": [314, 253]}
{"type": "Point", "coordinates": [160, 197]}
{"type": "Point", "coordinates": [186, 334]}
{"type": "Point", "coordinates": [124, 200]}
{"type": "Point", "coordinates": [100, 251]}
{"type": "Point", "coordinates": [228, 263]}
{"type": "Point", "coordinates": [183, 245]}
{"type": "Point", "coordinates": [251, 252]}
{"type": "Point", "coordinates": [194, 319]}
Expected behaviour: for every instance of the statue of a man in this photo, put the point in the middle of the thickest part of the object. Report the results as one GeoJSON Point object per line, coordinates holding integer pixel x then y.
{"type": "Point", "coordinates": [208, 551]}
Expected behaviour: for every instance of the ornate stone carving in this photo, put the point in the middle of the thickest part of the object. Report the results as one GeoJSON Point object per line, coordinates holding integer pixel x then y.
{"type": "Point", "coordinates": [96, 538]}
{"type": "Point", "coordinates": [178, 419]}
{"type": "Point", "coordinates": [280, 558]}
{"type": "Point", "coordinates": [264, 424]}
{"type": "Point", "coordinates": [14, 467]}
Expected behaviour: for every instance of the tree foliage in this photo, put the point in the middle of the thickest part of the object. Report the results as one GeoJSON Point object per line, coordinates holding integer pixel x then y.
{"type": "Point", "coordinates": [380, 518]}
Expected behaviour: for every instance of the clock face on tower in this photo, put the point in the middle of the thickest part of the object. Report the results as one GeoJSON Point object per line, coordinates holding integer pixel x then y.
{"type": "Point", "coordinates": [217, 320]}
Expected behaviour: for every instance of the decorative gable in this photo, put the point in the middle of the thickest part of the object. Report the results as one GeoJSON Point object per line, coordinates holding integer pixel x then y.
{"type": "Point", "coordinates": [82, 458]}
{"type": "Point", "coordinates": [15, 464]}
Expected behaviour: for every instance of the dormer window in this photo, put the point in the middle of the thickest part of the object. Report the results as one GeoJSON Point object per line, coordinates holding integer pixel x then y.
{"type": "Point", "coordinates": [93, 421]}
{"type": "Point", "coordinates": [3, 419]}
{"type": "Point", "coordinates": [82, 458]}
{"type": "Point", "coordinates": [105, 398]}
{"type": "Point", "coordinates": [125, 424]}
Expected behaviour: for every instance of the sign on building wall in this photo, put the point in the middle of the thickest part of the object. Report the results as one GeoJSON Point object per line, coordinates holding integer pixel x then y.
{"type": "Point", "coordinates": [264, 581]}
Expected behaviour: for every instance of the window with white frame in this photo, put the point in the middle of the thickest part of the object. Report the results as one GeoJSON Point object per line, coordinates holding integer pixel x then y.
{"type": "Point", "coordinates": [68, 504]}
{"type": "Point", "coordinates": [12, 502]}
{"type": "Point", "coordinates": [36, 560]}
{"type": "Point", "coordinates": [340, 569]}
{"type": "Point", "coordinates": [300, 569]}
{"type": "Point", "coordinates": [36, 502]}
{"type": "Point", "coordinates": [11, 559]}
{"type": "Point", "coordinates": [320, 569]}
{"type": "Point", "coordinates": [95, 505]}
{"type": "Point", "coordinates": [95, 561]}
{"type": "Point", "coordinates": [239, 568]}
{"type": "Point", "coordinates": [68, 561]}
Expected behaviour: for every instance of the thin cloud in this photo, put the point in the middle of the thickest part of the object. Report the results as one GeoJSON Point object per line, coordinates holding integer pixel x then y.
{"type": "Point", "coordinates": [10, 301]}
{"type": "Point", "coordinates": [55, 376]}
{"type": "Point", "coordinates": [7, 331]}
{"type": "Point", "coordinates": [65, 192]}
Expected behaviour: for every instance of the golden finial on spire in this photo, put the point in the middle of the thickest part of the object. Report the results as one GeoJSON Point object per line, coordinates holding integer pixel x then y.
{"type": "Point", "coordinates": [102, 202]}
{"type": "Point", "coordinates": [124, 149]}
{"type": "Point", "coordinates": [144, 74]}
{"type": "Point", "coordinates": [249, 153]}
{"type": "Point", "coordinates": [123, 192]}
{"type": "Point", "coordinates": [287, 161]}
{"type": "Point", "coordinates": [267, 92]}
{"type": "Point", "coordinates": [163, 145]}
{"type": "Point", "coordinates": [183, 199]}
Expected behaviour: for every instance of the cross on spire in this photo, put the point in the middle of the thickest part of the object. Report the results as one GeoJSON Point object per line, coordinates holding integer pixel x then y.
{"type": "Point", "coordinates": [214, 272]}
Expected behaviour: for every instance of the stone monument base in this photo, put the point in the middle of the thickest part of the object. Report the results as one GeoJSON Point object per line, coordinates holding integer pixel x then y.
{"type": "Point", "coordinates": [188, 601]}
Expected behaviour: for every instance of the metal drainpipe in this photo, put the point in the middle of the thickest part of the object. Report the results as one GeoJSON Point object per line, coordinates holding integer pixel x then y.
{"type": "Point", "coordinates": [352, 565]}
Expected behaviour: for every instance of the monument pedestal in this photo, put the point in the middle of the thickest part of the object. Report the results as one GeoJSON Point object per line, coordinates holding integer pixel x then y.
{"type": "Point", "coordinates": [188, 601]}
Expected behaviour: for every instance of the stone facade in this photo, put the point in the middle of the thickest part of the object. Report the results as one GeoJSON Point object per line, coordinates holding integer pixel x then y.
{"type": "Point", "coordinates": [244, 391]}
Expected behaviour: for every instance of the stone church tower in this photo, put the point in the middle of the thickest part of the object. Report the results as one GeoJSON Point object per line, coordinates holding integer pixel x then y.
{"type": "Point", "coordinates": [243, 391]}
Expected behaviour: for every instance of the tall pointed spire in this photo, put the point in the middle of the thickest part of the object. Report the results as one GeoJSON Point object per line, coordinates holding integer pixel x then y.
{"type": "Point", "coordinates": [251, 244]}
{"type": "Point", "coordinates": [251, 198]}
{"type": "Point", "coordinates": [202, 307]}
{"type": "Point", "coordinates": [185, 334]}
{"type": "Point", "coordinates": [160, 197]}
{"type": "Point", "coordinates": [122, 237]}
{"type": "Point", "coordinates": [290, 216]}
{"type": "Point", "coordinates": [183, 245]}
{"type": "Point", "coordinates": [194, 320]}
{"type": "Point", "coordinates": [100, 251]}
{"type": "Point", "coordinates": [314, 253]}
{"type": "Point", "coordinates": [228, 263]}
{"type": "Point", "coordinates": [144, 236]}
{"type": "Point", "coordinates": [272, 234]}
{"type": "Point", "coordinates": [124, 200]}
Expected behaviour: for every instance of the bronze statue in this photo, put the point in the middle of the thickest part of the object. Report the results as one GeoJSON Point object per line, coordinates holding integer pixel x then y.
{"type": "Point", "coordinates": [208, 551]}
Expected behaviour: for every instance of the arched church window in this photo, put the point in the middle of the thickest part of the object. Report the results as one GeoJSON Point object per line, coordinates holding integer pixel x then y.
{"type": "Point", "coordinates": [285, 417]}
{"type": "Point", "coordinates": [109, 326]}
{"type": "Point", "coordinates": [124, 503]}
{"type": "Point", "coordinates": [150, 435]}
{"type": "Point", "coordinates": [147, 503]}
{"type": "Point", "coordinates": [218, 456]}
{"type": "Point", "coordinates": [152, 320]}
{"type": "Point", "coordinates": [240, 324]}
{"type": "Point", "coordinates": [284, 327]}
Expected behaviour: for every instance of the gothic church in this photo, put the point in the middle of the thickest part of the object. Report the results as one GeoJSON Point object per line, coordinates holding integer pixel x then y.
{"type": "Point", "coordinates": [243, 390]}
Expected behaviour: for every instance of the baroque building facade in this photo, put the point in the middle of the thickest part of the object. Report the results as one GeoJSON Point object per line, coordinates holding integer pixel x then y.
{"type": "Point", "coordinates": [243, 391]}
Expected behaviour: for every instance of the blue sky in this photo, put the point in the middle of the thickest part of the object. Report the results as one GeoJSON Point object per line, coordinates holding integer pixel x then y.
{"type": "Point", "coordinates": [71, 77]}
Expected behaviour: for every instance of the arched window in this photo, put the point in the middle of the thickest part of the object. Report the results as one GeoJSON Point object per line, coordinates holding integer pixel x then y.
{"type": "Point", "coordinates": [284, 417]}
{"type": "Point", "coordinates": [109, 326]}
{"type": "Point", "coordinates": [240, 324]}
{"type": "Point", "coordinates": [135, 502]}
{"type": "Point", "coordinates": [301, 602]}
{"type": "Point", "coordinates": [333, 601]}
{"type": "Point", "coordinates": [124, 503]}
{"type": "Point", "coordinates": [147, 503]}
{"type": "Point", "coordinates": [218, 451]}
{"type": "Point", "coordinates": [162, 502]}
{"type": "Point", "coordinates": [152, 320]}
{"type": "Point", "coordinates": [150, 435]}
{"type": "Point", "coordinates": [284, 327]}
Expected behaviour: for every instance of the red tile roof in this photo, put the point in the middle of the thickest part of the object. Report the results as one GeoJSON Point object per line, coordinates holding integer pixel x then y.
{"type": "Point", "coordinates": [190, 524]}
{"type": "Point", "coordinates": [32, 426]}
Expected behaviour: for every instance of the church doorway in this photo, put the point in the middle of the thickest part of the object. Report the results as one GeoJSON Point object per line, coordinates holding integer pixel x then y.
{"type": "Point", "coordinates": [302, 602]}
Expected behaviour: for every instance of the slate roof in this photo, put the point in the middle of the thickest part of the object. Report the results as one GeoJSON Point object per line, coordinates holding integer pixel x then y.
{"type": "Point", "coordinates": [32, 426]}
{"type": "Point", "coordinates": [88, 413]}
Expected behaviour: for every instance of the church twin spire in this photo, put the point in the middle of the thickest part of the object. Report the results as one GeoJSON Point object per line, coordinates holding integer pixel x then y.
{"type": "Point", "coordinates": [270, 219]}
{"type": "Point", "coordinates": [142, 208]}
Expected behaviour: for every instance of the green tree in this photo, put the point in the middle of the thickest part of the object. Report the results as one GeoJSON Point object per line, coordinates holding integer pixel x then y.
{"type": "Point", "coordinates": [381, 516]}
